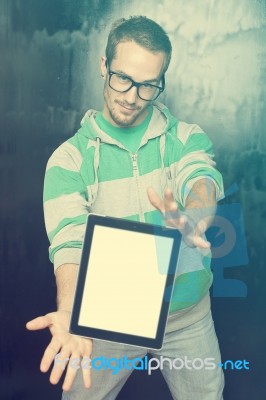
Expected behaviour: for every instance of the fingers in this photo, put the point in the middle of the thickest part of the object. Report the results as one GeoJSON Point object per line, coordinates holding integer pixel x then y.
{"type": "Point", "coordinates": [77, 361]}
{"type": "Point", "coordinates": [171, 214]}
{"type": "Point", "coordinates": [73, 367]}
{"type": "Point", "coordinates": [155, 200]}
{"type": "Point", "coordinates": [50, 355]}
{"type": "Point", "coordinates": [175, 220]}
{"type": "Point", "coordinates": [86, 372]}
{"type": "Point", "coordinates": [198, 239]}
{"type": "Point", "coordinates": [169, 200]}
{"type": "Point", "coordinates": [73, 362]}
{"type": "Point", "coordinates": [65, 350]}
{"type": "Point", "coordinates": [193, 240]}
{"type": "Point", "coordinates": [200, 242]}
{"type": "Point", "coordinates": [75, 354]}
{"type": "Point", "coordinates": [166, 204]}
{"type": "Point", "coordinates": [61, 362]}
{"type": "Point", "coordinates": [193, 234]}
{"type": "Point", "coordinates": [38, 323]}
{"type": "Point", "coordinates": [168, 207]}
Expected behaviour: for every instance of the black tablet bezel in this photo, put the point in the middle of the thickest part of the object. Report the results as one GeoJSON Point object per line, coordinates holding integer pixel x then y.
{"type": "Point", "coordinates": [129, 225]}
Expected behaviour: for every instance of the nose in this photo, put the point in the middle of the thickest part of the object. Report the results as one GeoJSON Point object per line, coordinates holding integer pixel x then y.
{"type": "Point", "coordinates": [131, 95]}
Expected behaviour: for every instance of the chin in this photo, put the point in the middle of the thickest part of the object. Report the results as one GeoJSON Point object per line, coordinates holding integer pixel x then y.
{"type": "Point", "coordinates": [122, 120]}
{"type": "Point", "coordinates": [127, 120]}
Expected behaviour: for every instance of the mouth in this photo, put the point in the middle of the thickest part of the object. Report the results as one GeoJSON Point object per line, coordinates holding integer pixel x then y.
{"type": "Point", "coordinates": [127, 109]}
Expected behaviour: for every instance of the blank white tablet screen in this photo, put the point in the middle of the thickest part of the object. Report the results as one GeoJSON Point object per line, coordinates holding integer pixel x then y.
{"type": "Point", "coordinates": [125, 281]}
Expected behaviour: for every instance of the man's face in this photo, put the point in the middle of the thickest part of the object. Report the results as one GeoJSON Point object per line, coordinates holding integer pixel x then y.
{"type": "Point", "coordinates": [127, 109]}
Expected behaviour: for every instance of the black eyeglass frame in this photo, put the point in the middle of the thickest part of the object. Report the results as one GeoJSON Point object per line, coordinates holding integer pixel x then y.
{"type": "Point", "coordinates": [136, 84]}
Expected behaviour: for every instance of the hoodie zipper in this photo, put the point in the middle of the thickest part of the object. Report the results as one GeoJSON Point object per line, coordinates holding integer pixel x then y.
{"type": "Point", "coordinates": [136, 176]}
{"type": "Point", "coordinates": [134, 161]}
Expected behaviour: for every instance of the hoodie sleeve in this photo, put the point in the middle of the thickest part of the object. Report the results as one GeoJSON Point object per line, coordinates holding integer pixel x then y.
{"type": "Point", "coordinates": [196, 161]}
{"type": "Point", "coordinates": [65, 205]}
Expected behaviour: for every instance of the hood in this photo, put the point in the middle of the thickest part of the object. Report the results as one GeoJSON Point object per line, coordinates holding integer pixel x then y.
{"type": "Point", "coordinates": [161, 122]}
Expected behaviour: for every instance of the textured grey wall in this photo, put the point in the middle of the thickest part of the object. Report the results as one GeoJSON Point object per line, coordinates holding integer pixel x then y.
{"type": "Point", "coordinates": [49, 75]}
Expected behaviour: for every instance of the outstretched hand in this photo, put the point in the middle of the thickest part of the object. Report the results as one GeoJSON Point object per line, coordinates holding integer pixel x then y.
{"type": "Point", "coordinates": [188, 222]}
{"type": "Point", "coordinates": [71, 347]}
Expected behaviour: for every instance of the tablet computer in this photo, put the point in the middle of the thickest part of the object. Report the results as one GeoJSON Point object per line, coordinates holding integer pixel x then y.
{"type": "Point", "coordinates": [125, 281]}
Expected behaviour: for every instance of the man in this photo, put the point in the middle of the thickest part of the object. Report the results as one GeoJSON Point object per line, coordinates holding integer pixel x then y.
{"type": "Point", "coordinates": [134, 160]}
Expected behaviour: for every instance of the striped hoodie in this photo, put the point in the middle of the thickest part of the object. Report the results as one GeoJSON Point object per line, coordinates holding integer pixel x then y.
{"type": "Point", "coordinates": [92, 172]}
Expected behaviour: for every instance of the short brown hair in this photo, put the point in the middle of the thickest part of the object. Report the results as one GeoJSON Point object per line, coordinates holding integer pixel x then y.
{"type": "Point", "coordinates": [144, 31]}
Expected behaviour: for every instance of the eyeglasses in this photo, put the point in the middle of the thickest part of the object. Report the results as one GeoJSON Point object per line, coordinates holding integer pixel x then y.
{"type": "Point", "coordinates": [123, 83]}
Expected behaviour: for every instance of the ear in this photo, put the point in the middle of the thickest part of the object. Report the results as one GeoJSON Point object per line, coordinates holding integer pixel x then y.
{"type": "Point", "coordinates": [103, 67]}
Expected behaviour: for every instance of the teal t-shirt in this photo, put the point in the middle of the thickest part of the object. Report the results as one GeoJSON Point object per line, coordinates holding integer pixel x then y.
{"type": "Point", "coordinates": [129, 137]}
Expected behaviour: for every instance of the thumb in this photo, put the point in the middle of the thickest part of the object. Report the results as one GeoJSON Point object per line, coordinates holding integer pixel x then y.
{"type": "Point", "coordinates": [39, 323]}
{"type": "Point", "coordinates": [202, 226]}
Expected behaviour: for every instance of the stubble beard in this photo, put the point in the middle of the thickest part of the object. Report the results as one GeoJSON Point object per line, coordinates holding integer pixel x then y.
{"type": "Point", "coordinates": [123, 122]}
{"type": "Point", "coordinates": [117, 117]}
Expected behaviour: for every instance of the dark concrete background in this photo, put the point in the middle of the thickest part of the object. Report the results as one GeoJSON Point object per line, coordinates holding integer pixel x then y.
{"type": "Point", "coordinates": [49, 76]}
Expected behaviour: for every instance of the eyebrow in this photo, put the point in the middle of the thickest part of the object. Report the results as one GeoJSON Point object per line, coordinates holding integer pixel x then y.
{"type": "Point", "coordinates": [146, 81]}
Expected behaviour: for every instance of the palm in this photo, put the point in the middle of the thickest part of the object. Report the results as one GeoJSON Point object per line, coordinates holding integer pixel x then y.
{"type": "Point", "coordinates": [69, 346]}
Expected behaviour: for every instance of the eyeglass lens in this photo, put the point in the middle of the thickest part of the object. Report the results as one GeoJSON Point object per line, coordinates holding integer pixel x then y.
{"type": "Point", "coordinates": [122, 83]}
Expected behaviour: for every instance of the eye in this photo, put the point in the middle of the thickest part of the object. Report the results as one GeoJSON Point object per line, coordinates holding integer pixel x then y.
{"type": "Point", "coordinates": [123, 78]}
{"type": "Point", "coordinates": [147, 86]}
